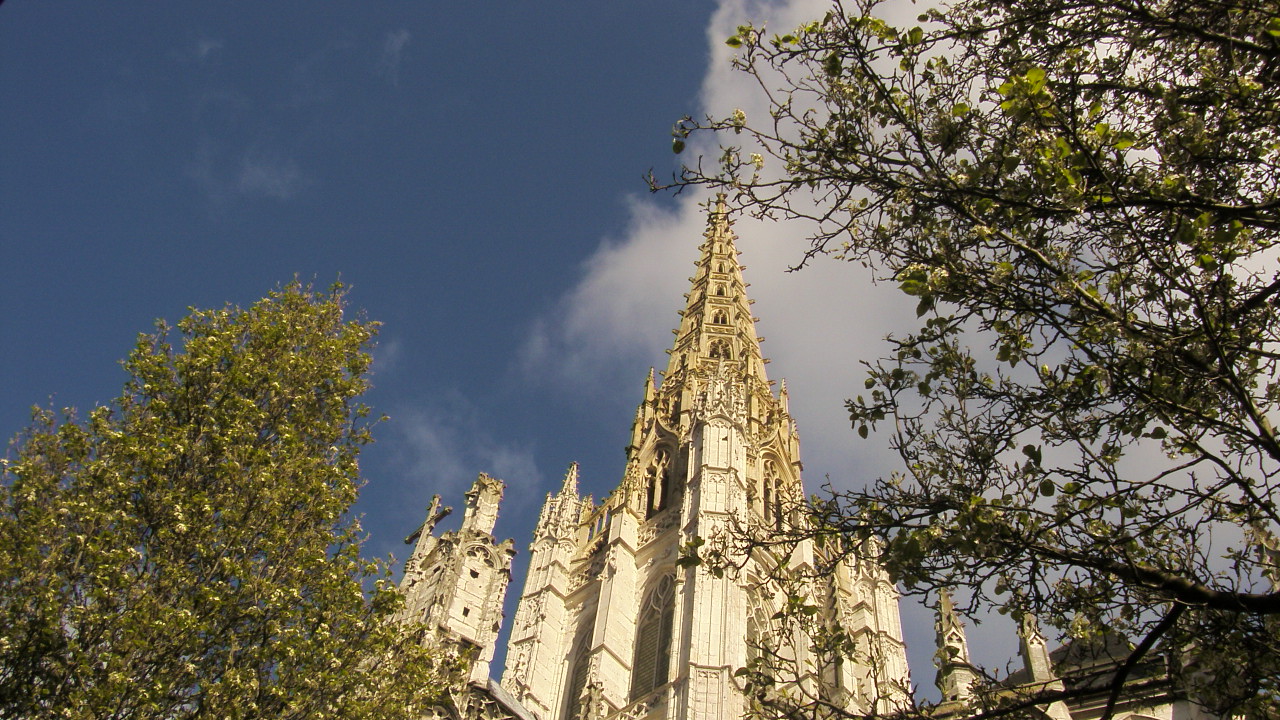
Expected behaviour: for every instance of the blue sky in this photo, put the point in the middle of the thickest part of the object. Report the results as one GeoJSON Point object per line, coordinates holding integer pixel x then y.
{"type": "Point", "coordinates": [473, 169]}
{"type": "Point", "coordinates": [456, 163]}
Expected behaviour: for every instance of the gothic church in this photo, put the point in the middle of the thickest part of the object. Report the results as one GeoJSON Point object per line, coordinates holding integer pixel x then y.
{"type": "Point", "coordinates": [609, 624]}
{"type": "Point", "coordinates": [616, 623]}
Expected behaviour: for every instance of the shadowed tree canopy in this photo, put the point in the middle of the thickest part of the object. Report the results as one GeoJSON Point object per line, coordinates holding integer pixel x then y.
{"type": "Point", "coordinates": [1081, 199]}
{"type": "Point", "coordinates": [188, 552]}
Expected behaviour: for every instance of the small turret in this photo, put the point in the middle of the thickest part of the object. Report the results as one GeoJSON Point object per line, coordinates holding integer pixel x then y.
{"type": "Point", "coordinates": [1035, 658]}
{"type": "Point", "coordinates": [562, 512]}
{"type": "Point", "coordinates": [425, 540]}
{"type": "Point", "coordinates": [455, 583]}
{"type": "Point", "coordinates": [956, 674]}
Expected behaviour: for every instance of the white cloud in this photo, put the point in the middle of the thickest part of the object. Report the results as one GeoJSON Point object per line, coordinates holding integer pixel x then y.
{"type": "Point", "coordinates": [442, 445]}
{"type": "Point", "coordinates": [206, 48]}
{"type": "Point", "coordinates": [268, 175]}
{"type": "Point", "coordinates": [387, 355]}
{"type": "Point", "coordinates": [393, 48]}
{"type": "Point", "coordinates": [254, 173]}
{"type": "Point", "coordinates": [819, 322]}
{"type": "Point", "coordinates": [624, 306]}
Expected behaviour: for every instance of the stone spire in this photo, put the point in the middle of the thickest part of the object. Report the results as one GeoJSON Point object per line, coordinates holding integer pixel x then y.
{"type": "Point", "coordinates": [955, 672]}
{"type": "Point", "coordinates": [716, 324]}
{"type": "Point", "coordinates": [1039, 667]}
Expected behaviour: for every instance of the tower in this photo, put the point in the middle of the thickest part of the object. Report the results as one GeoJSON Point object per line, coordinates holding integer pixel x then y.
{"type": "Point", "coordinates": [611, 625]}
{"type": "Point", "coordinates": [455, 583]}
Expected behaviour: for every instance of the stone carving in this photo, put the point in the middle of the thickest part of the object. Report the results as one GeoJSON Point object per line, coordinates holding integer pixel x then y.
{"type": "Point", "coordinates": [658, 526]}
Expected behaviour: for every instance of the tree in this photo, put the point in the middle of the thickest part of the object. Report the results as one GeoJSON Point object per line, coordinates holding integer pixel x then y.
{"type": "Point", "coordinates": [1081, 197]}
{"type": "Point", "coordinates": [188, 551]}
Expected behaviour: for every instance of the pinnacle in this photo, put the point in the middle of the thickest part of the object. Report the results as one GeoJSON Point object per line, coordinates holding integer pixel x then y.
{"type": "Point", "coordinates": [570, 486]}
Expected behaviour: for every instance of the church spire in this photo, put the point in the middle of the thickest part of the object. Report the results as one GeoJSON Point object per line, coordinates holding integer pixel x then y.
{"type": "Point", "coordinates": [716, 324]}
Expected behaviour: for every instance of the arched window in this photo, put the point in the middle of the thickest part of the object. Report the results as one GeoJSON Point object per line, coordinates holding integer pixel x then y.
{"type": "Point", "coordinates": [760, 636]}
{"type": "Point", "coordinates": [720, 317]}
{"type": "Point", "coordinates": [578, 678]}
{"type": "Point", "coordinates": [771, 487]}
{"type": "Point", "coordinates": [720, 349]}
{"type": "Point", "coordinates": [720, 290]}
{"type": "Point", "coordinates": [649, 668]}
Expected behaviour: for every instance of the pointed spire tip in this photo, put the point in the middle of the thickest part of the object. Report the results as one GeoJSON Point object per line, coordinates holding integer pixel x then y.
{"type": "Point", "coordinates": [570, 486]}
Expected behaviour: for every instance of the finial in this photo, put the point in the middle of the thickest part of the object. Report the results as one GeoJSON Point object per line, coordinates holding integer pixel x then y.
{"type": "Point", "coordinates": [1029, 629]}
{"type": "Point", "coordinates": [570, 486]}
{"type": "Point", "coordinates": [946, 608]}
{"type": "Point", "coordinates": [434, 515]}
{"type": "Point", "coordinates": [949, 619]}
{"type": "Point", "coordinates": [649, 387]}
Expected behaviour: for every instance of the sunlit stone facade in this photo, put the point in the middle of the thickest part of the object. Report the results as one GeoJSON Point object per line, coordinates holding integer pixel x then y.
{"type": "Point", "coordinates": [610, 624]}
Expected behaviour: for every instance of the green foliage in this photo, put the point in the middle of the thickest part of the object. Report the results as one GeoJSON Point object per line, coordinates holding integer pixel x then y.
{"type": "Point", "coordinates": [188, 552]}
{"type": "Point", "coordinates": [1083, 201]}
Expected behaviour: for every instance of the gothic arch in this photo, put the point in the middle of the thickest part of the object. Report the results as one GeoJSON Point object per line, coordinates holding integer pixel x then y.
{"type": "Point", "coordinates": [720, 349]}
{"type": "Point", "coordinates": [719, 317]}
{"type": "Point", "coordinates": [580, 668]}
{"type": "Point", "coordinates": [763, 636]}
{"type": "Point", "coordinates": [651, 664]}
{"type": "Point", "coordinates": [482, 553]}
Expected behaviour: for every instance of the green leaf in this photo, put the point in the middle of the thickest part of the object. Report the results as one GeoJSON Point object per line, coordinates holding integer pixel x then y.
{"type": "Point", "coordinates": [734, 41]}
{"type": "Point", "coordinates": [831, 65]}
{"type": "Point", "coordinates": [1033, 453]}
{"type": "Point", "coordinates": [677, 146]}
